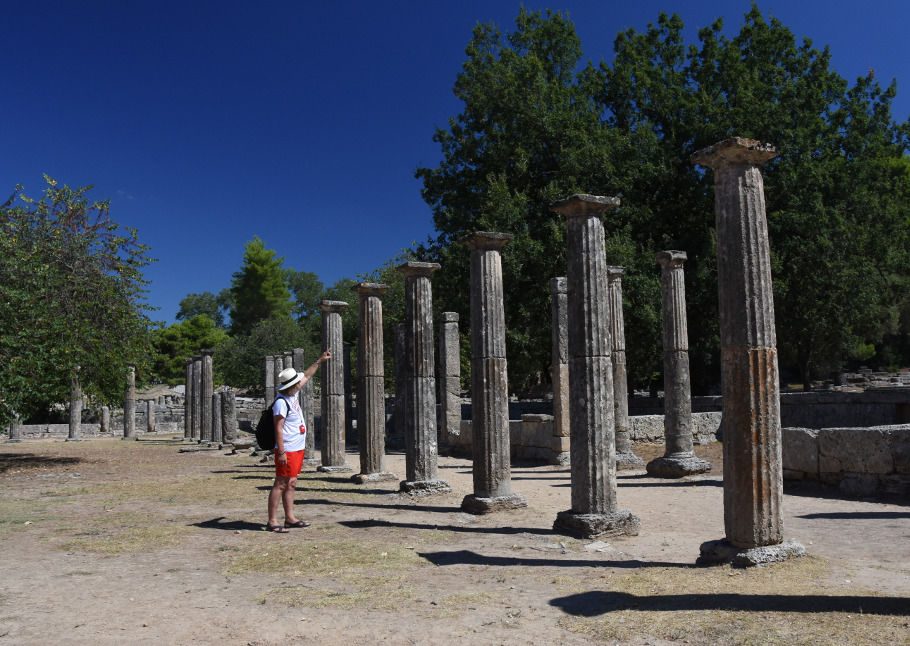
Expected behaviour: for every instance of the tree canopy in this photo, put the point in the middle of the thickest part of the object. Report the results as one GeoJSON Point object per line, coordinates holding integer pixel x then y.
{"type": "Point", "coordinates": [213, 306]}
{"type": "Point", "coordinates": [259, 288]}
{"type": "Point", "coordinates": [173, 344]}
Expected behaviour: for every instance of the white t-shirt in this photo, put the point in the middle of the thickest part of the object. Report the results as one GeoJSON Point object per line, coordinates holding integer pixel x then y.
{"type": "Point", "coordinates": [294, 431]}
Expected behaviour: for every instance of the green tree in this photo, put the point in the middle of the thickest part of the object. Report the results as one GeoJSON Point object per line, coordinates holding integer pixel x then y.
{"type": "Point", "coordinates": [307, 290]}
{"type": "Point", "coordinates": [72, 294]}
{"type": "Point", "coordinates": [213, 306]}
{"type": "Point", "coordinates": [173, 344]}
{"type": "Point", "coordinates": [259, 289]}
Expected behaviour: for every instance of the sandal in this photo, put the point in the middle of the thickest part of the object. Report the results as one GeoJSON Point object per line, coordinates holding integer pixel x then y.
{"type": "Point", "coordinates": [275, 529]}
{"type": "Point", "coordinates": [299, 523]}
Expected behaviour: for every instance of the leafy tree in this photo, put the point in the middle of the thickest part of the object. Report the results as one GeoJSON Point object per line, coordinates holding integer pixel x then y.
{"type": "Point", "coordinates": [259, 289]}
{"type": "Point", "coordinates": [307, 290]}
{"type": "Point", "coordinates": [72, 294]}
{"type": "Point", "coordinates": [175, 343]}
{"type": "Point", "coordinates": [207, 303]}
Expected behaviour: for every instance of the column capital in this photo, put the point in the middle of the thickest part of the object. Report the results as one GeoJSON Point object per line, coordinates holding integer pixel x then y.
{"type": "Point", "coordinates": [485, 240]}
{"type": "Point", "coordinates": [418, 269]}
{"type": "Point", "coordinates": [615, 272]}
{"type": "Point", "coordinates": [207, 352]}
{"type": "Point", "coordinates": [370, 289]}
{"type": "Point", "coordinates": [188, 361]}
{"type": "Point", "coordinates": [559, 285]}
{"type": "Point", "coordinates": [670, 259]}
{"type": "Point", "coordinates": [582, 204]}
{"type": "Point", "coordinates": [734, 151]}
{"type": "Point", "coordinates": [449, 317]}
{"type": "Point", "coordinates": [331, 306]}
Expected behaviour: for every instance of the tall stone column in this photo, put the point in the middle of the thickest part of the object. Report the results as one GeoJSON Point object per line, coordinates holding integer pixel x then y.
{"type": "Point", "coordinates": [129, 405]}
{"type": "Point", "coordinates": [333, 458]}
{"type": "Point", "coordinates": [105, 419]}
{"type": "Point", "coordinates": [560, 338]}
{"type": "Point", "coordinates": [150, 416]}
{"type": "Point", "coordinates": [371, 385]}
{"type": "Point", "coordinates": [75, 432]}
{"type": "Point", "coordinates": [269, 379]}
{"type": "Point", "coordinates": [205, 397]}
{"type": "Point", "coordinates": [348, 394]}
{"type": "Point", "coordinates": [449, 379]}
{"type": "Point", "coordinates": [15, 431]}
{"type": "Point", "coordinates": [288, 358]}
{"type": "Point", "coordinates": [678, 459]}
{"type": "Point", "coordinates": [229, 415]}
{"type": "Point", "coordinates": [420, 382]}
{"type": "Point", "coordinates": [308, 409]}
{"type": "Point", "coordinates": [217, 433]}
{"type": "Point", "coordinates": [592, 451]}
{"type": "Point", "coordinates": [489, 379]}
{"type": "Point", "coordinates": [625, 457]}
{"type": "Point", "coordinates": [188, 400]}
{"type": "Point", "coordinates": [753, 473]}
{"type": "Point", "coordinates": [197, 397]}
{"type": "Point", "coordinates": [401, 389]}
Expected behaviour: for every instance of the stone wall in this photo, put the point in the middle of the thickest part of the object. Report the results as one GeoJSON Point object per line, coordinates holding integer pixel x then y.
{"type": "Point", "coordinates": [168, 420]}
{"type": "Point", "coordinates": [859, 461]}
{"type": "Point", "coordinates": [650, 428]}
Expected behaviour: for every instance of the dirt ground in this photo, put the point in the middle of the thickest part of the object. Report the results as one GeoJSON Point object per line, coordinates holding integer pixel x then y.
{"type": "Point", "coordinates": [113, 542]}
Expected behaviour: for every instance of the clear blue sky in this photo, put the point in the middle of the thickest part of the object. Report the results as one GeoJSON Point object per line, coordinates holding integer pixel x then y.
{"type": "Point", "coordinates": [208, 122]}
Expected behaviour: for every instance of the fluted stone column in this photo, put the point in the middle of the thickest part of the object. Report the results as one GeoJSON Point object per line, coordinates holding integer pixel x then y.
{"type": "Point", "coordinates": [371, 385]}
{"type": "Point", "coordinates": [229, 415]}
{"type": "Point", "coordinates": [188, 400]}
{"type": "Point", "coordinates": [420, 382]}
{"type": "Point", "coordinates": [105, 419]}
{"type": "Point", "coordinates": [348, 394]}
{"type": "Point", "coordinates": [288, 359]}
{"type": "Point", "coordinates": [333, 458]}
{"type": "Point", "coordinates": [753, 473]}
{"type": "Point", "coordinates": [490, 445]}
{"type": "Point", "coordinates": [150, 417]}
{"type": "Point", "coordinates": [217, 433]}
{"type": "Point", "coordinates": [308, 410]}
{"type": "Point", "coordinates": [75, 432]}
{"type": "Point", "coordinates": [270, 393]}
{"type": "Point", "coordinates": [15, 431]}
{"type": "Point", "coordinates": [678, 459]}
{"type": "Point", "coordinates": [625, 457]}
{"type": "Point", "coordinates": [401, 389]}
{"type": "Point", "coordinates": [594, 509]}
{"type": "Point", "coordinates": [129, 405]}
{"type": "Point", "coordinates": [560, 373]}
{"type": "Point", "coordinates": [449, 379]}
{"type": "Point", "coordinates": [205, 397]}
{"type": "Point", "coordinates": [197, 397]}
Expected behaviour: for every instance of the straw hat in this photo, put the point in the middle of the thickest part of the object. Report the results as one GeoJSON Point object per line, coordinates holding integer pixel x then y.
{"type": "Point", "coordinates": [288, 377]}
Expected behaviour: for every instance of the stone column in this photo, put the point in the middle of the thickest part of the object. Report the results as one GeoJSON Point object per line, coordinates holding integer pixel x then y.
{"type": "Point", "coordinates": [129, 405]}
{"type": "Point", "coordinates": [217, 434]}
{"type": "Point", "coordinates": [420, 382]}
{"type": "Point", "coordinates": [150, 417]}
{"type": "Point", "coordinates": [308, 409]}
{"type": "Point", "coordinates": [678, 459]}
{"type": "Point", "coordinates": [205, 397]}
{"type": "Point", "coordinates": [348, 394]}
{"type": "Point", "coordinates": [197, 397]}
{"type": "Point", "coordinates": [105, 419]}
{"type": "Point", "coordinates": [229, 415]}
{"type": "Point", "coordinates": [288, 359]}
{"type": "Point", "coordinates": [333, 459]}
{"type": "Point", "coordinates": [594, 509]}
{"type": "Point", "coordinates": [188, 400]}
{"type": "Point", "coordinates": [450, 379]}
{"type": "Point", "coordinates": [75, 434]}
{"type": "Point", "coordinates": [269, 379]}
{"type": "Point", "coordinates": [560, 374]}
{"type": "Point", "coordinates": [401, 389]}
{"type": "Point", "coordinates": [371, 385]}
{"type": "Point", "coordinates": [489, 379]}
{"type": "Point", "coordinates": [15, 431]}
{"type": "Point", "coordinates": [278, 367]}
{"type": "Point", "coordinates": [625, 457]}
{"type": "Point", "coordinates": [753, 474]}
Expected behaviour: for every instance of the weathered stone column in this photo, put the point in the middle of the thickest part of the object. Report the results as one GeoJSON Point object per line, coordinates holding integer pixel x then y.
{"type": "Point", "coordinates": [269, 379]}
{"type": "Point", "coordinates": [333, 458]}
{"type": "Point", "coordinates": [229, 415]}
{"type": "Point", "coordinates": [348, 394]}
{"type": "Point", "coordinates": [288, 359]}
{"type": "Point", "coordinates": [308, 409]}
{"type": "Point", "coordinates": [15, 431]}
{"type": "Point", "coordinates": [205, 399]}
{"type": "Point", "coordinates": [490, 445]}
{"type": "Point", "coordinates": [560, 372]}
{"type": "Point", "coordinates": [105, 419]}
{"type": "Point", "coordinates": [678, 459]}
{"type": "Point", "coordinates": [592, 452]}
{"type": "Point", "coordinates": [449, 379]}
{"type": "Point", "coordinates": [753, 473]}
{"type": "Point", "coordinates": [129, 405]}
{"type": "Point", "coordinates": [75, 433]}
{"type": "Point", "coordinates": [371, 385]}
{"type": "Point", "coordinates": [625, 458]}
{"type": "Point", "coordinates": [188, 400]}
{"type": "Point", "coordinates": [150, 416]}
{"type": "Point", "coordinates": [420, 382]}
{"type": "Point", "coordinates": [217, 434]}
{"type": "Point", "coordinates": [197, 397]}
{"type": "Point", "coordinates": [401, 388]}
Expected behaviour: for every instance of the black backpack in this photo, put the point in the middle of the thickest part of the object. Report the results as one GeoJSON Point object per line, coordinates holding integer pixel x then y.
{"type": "Point", "coordinates": [265, 429]}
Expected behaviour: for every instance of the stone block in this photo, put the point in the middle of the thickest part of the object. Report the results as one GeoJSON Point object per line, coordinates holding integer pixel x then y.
{"type": "Point", "coordinates": [857, 450]}
{"type": "Point", "coordinates": [647, 428]}
{"type": "Point", "coordinates": [799, 449]}
{"type": "Point", "coordinates": [789, 474]}
{"type": "Point", "coordinates": [894, 485]}
{"type": "Point", "coordinates": [900, 450]}
{"type": "Point", "coordinates": [559, 444]}
{"type": "Point", "coordinates": [705, 426]}
{"type": "Point", "coordinates": [861, 485]}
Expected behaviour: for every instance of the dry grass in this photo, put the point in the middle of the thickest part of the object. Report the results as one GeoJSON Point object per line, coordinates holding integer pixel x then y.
{"type": "Point", "coordinates": [119, 532]}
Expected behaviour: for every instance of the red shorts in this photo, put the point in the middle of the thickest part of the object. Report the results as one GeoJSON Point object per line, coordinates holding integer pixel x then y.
{"type": "Point", "coordinates": [295, 463]}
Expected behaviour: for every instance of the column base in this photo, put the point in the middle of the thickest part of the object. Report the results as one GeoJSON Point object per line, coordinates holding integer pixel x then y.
{"type": "Point", "coordinates": [363, 478]}
{"type": "Point", "coordinates": [478, 505]}
{"type": "Point", "coordinates": [340, 468]}
{"type": "Point", "coordinates": [73, 439]}
{"type": "Point", "coordinates": [131, 439]}
{"type": "Point", "coordinates": [425, 487]}
{"type": "Point", "coordinates": [13, 441]}
{"type": "Point", "coordinates": [620, 523]}
{"type": "Point", "coordinates": [628, 461]}
{"type": "Point", "coordinates": [312, 462]}
{"type": "Point", "coordinates": [677, 467]}
{"type": "Point", "coordinates": [723, 551]}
